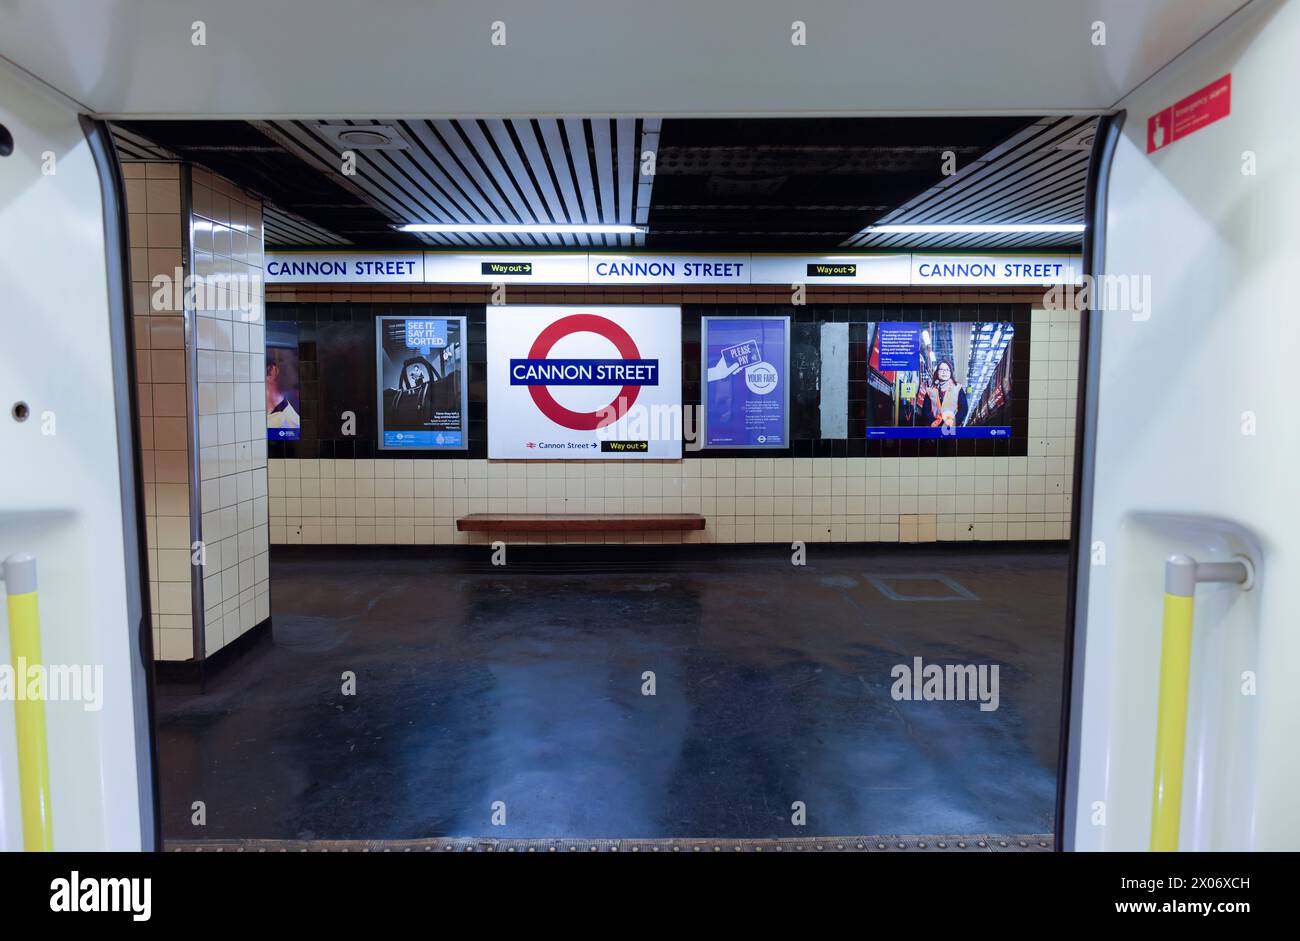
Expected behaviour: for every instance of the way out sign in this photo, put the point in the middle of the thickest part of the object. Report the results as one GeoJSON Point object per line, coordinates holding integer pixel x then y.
{"type": "Point", "coordinates": [1189, 115]}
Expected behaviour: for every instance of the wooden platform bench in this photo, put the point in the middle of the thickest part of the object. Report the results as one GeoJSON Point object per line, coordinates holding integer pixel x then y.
{"type": "Point", "coordinates": [577, 522]}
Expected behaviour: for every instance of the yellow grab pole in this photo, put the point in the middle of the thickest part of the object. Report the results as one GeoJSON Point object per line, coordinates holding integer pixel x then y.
{"type": "Point", "coordinates": [29, 714]}
{"type": "Point", "coordinates": [1171, 722]}
{"type": "Point", "coordinates": [1181, 577]}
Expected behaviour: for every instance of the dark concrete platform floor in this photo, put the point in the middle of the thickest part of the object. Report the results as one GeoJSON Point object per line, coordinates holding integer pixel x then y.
{"type": "Point", "coordinates": [523, 684]}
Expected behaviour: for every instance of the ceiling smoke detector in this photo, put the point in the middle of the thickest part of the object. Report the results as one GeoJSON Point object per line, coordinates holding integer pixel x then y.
{"type": "Point", "coordinates": [363, 136]}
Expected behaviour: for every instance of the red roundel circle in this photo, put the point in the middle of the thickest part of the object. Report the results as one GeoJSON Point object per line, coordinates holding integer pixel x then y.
{"type": "Point", "coordinates": [584, 323]}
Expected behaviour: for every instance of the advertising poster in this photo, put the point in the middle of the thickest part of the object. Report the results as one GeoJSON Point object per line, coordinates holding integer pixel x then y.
{"type": "Point", "coordinates": [423, 392]}
{"type": "Point", "coordinates": [746, 365]}
{"type": "Point", "coordinates": [584, 383]}
{"type": "Point", "coordinates": [939, 380]}
{"type": "Point", "coordinates": [283, 418]}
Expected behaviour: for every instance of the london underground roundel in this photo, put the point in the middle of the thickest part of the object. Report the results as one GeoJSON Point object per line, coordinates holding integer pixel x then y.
{"type": "Point", "coordinates": [584, 382]}
{"type": "Point", "coordinates": [626, 396]}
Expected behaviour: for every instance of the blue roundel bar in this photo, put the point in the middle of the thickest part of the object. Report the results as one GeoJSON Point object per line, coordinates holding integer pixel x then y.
{"type": "Point", "coordinates": [584, 372]}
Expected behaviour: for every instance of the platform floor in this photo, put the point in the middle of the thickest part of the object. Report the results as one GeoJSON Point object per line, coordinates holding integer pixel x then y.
{"type": "Point", "coordinates": [523, 685]}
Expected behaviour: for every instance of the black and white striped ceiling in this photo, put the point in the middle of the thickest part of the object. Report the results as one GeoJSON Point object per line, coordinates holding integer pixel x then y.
{"type": "Point", "coordinates": [284, 228]}
{"type": "Point", "coordinates": [281, 227]}
{"type": "Point", "coordinates": [807, 184]}
{"type": "Point", "coordinates": [520, 171]}
{"type": "Point", "coordinates": [1037, 176]}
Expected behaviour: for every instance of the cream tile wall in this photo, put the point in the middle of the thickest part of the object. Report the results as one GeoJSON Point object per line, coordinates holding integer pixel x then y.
{"type": "Point", "coordinates": [230, 360]}
{"type": "Point", "coordinates": [201, 400]}
{"type": "Point", "coordinates": [405, 501]}
{"type": "Point", "coordinates": [153, 197]}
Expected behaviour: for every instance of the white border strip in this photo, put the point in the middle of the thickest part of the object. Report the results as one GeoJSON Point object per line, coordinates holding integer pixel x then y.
{"type": "Point", "coordinates": [648, 268]}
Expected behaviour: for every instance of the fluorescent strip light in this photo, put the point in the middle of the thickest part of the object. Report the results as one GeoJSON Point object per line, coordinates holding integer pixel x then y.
{"type": "Point", "coordinates": [562, 228]}
{"type": "Point", "coordinates": [960, 228]}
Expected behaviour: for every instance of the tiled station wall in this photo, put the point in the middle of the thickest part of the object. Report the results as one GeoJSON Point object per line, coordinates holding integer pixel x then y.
{"type": "Point", "coordinates": [405, 500]}
{"type": "Point", "coordinates": [201, 404]}
{"type": "Point", "coordinates": [336, 365]}
{"type": "Point", "coordinates": [155, 219]}
{"type": "Point", "coordinates": [230, 356]}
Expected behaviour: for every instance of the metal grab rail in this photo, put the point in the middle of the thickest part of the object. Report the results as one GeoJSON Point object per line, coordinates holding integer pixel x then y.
{"type": "Point", "coordinates": [1181, 577]}
{"type": "Point", "coordinates": [29, 714]}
